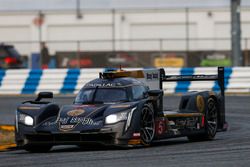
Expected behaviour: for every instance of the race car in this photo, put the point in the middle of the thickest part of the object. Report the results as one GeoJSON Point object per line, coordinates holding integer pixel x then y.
{"type": "Point", "coordinates": [122, 108]}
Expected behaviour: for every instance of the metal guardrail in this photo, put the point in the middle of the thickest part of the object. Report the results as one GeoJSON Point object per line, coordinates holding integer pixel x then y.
{"type": "Point", "coordinates": [70, 81]}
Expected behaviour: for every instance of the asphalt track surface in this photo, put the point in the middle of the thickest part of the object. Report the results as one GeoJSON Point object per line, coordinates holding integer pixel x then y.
{"type": "Point", "coordinates": [231, 148]}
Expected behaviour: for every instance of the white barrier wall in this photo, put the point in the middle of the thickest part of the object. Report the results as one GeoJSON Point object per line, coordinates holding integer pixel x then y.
{"type": "Point", "coordinates": [70, 81]}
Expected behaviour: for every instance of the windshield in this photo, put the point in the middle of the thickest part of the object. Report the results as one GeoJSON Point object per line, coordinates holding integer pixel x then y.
{"type": "Point", "coordinates": [101, 95]}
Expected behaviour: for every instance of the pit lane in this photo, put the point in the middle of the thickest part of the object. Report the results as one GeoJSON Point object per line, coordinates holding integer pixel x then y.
{"type": "Point", "coordinates": [231, 148]}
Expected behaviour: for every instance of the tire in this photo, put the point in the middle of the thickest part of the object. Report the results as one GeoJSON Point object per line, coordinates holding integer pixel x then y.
{"type": "Point", "coordinates": [38, 148]}
{"type": "Point", "coordinates": [211, 122]}
{"type": "Point", "coordinates": [147, 125]}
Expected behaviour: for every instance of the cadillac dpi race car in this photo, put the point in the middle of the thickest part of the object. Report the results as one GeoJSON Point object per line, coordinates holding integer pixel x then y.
{"type": "Point", "coordinates": [122, 108]}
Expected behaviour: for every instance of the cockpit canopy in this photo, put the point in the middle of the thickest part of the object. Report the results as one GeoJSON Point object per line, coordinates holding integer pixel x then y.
{"type": "Point", "coordinates": [112, 91]}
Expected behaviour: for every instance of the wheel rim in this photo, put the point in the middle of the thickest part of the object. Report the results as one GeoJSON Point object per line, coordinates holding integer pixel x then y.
{"type": "Point", "coordinates": [147, 125]}
{"type": "Point", "coordinates": [212, 118]}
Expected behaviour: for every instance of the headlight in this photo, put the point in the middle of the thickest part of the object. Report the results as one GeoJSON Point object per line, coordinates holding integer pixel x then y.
{"type": "Point", "coordinates": [113, 118]}
{"type": "Point", "coordinates": [26, 119]}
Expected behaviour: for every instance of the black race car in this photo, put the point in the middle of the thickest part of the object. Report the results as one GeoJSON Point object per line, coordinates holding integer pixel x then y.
{"type": "Point", "coordinates": [121, 108]}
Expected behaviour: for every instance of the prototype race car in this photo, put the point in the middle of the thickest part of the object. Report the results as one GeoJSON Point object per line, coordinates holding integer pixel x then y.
{"type": "Point", "coordinates": [122, 108]}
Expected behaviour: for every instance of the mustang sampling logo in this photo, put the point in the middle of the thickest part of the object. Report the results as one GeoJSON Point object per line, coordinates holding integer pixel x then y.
{"type": "Point", "coordinates": [69, 123]}
{"type": "Point", "coordinates": [76, 112]}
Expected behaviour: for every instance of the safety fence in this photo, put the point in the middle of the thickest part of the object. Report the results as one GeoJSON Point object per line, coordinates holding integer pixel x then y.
{"type": "Point", "coordinates": [70, 81]}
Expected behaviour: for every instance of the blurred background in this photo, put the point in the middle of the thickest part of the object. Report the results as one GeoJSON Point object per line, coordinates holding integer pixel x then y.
{"type": "Point", "coordinates": [109, 33]}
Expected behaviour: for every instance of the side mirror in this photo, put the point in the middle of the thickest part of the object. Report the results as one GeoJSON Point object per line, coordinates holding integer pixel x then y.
{"type": "Point", "coordinates": [155, 92]}
{"type": "Point", "coordinates": [43, 95]}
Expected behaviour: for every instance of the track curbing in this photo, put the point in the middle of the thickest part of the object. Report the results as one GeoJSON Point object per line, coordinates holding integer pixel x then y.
{"type": "Point", "coordinates": [5, 131]}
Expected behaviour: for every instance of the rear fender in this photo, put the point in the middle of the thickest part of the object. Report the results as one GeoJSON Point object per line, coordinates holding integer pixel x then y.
{"type": "Point", "coordinates": [194, 102]}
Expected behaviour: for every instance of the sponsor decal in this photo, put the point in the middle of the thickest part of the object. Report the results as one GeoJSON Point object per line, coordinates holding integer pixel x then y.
{"type": "Point", "coordinates": [152, 76]}
{"type": "Point", "coordinates": [186, 123]}
{"type": "Point", "coordinates": [83, 121]}
{"type": "Point", "coordinates": [136, 135]}
{"type": "Point", "coordinates": [69, 123]}
{"type": "Point", "coordinates": [67, 127]}
{"type": "Point", "coordinates": [64, 120]}
{"type": "Point", "coordinates": [200, 103]}
{"type": "Point", "coordinates": [49, 123]}
{"type": "Point", "coordinates": [76, 112]}
{"type": "Point", "coordinates": [100, 85]}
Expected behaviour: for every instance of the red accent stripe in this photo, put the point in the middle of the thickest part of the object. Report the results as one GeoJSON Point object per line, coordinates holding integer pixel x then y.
{"type": "Point", "coordinates": [202, 121]}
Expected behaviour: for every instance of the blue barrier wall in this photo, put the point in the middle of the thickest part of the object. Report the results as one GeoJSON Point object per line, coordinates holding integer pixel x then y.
{"type": "Point", "coordinates": [2, 74]}
{"type": "Point", "coordinates": [184, 85]}
{"type": "Point", "coordinates": [69, 81]}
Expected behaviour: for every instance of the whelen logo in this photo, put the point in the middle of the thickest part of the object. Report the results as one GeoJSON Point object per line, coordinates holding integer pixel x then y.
{"type": "Point", "coordinates": [76, 112]}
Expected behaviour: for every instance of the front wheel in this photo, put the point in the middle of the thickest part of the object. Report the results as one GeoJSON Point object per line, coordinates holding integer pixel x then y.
{"type": "Point", "coordinates": [147, 124]}
{"type": "Point", "coordinates": [211, 123]}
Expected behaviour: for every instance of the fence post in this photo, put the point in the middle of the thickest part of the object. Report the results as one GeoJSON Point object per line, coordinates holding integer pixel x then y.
{"type": "Point", "coordinates": [246, 60]}
{"type": "Point", "coordinates": [187, 35]}
{"type": "Point", "coordinates": [78, 53]}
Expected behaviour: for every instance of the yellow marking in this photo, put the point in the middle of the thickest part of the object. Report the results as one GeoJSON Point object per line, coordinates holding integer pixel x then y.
{"type": "Point", "coordinates": [6, 146]}
{"type": "Point", "coordinates": [200, 103]}
{"type": "Point", "coordinates": [7, 127]}
{"type": "Point", "coordinates": [183, 115]}
{"type": "Point", "coordinates": [28, 108]}
{"type": "Point", "coordinates": [134, 141]}
{"type": "Point", "coordinates": [6, 137]}
{"type": "Point", "coordinates": [133, 74]}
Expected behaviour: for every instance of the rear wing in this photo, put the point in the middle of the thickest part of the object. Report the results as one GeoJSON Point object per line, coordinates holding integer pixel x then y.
{"type": "Point", "coordinates": [176, 78]}
{"type": "Point", "coordinates": [219, 78]}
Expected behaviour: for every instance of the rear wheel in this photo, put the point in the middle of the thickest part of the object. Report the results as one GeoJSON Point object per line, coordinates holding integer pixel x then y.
{"type": "Point", "coordinates": [38, 148]}
{"type": "Point", "coordinates": [147, 129]}
{"type": "Point", "coordinates": [211, 123]}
